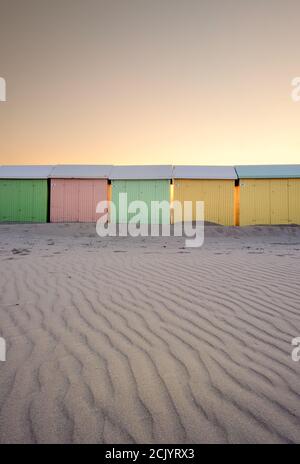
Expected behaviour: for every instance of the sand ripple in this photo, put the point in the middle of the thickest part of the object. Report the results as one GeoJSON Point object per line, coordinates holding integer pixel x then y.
{"type": "Point", "coordinates": [150, 344]}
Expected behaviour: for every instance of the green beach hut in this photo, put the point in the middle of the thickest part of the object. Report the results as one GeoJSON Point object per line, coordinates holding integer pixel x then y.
{"type": "Point", "coordinates": [140, 183]}
{"type": "Point", "coordinates": [24, 193]}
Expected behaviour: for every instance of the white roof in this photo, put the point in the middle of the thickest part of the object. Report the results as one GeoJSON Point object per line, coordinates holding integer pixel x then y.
{"type": "Point", "coordinates": [204, 172]}
{"type": "Point", "coordinates": [80, 171]}
{"type": "Point", "coordinates": [25, 172]}
{"type": "Point", "coordinates": [141, 172]}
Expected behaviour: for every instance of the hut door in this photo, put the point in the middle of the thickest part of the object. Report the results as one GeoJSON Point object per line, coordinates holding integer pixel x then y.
{"type": "Point", "coordinates": [279, 201]}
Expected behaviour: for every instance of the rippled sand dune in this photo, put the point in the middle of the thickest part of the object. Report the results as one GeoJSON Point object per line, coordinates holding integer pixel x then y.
{"type": "Point", "coordinates": [143, 341]}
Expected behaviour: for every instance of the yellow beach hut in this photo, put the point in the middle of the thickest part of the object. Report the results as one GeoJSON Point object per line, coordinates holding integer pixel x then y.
{"type": "Point", "coordinates": [214, 185]}
{"type": "Point", "coordinates": [269, 194]}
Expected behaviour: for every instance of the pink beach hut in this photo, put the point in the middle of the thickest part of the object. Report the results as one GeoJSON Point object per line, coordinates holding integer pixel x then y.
{"type": "Point", "coordinates": [76, 190]}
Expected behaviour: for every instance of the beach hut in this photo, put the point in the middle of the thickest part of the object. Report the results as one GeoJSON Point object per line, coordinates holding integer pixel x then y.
{"type": "Point", "coordinates": [76, 190]}
{"type": "Point", "coordinates": [269, 194]}
{"type": "Point", "coordinates": [214, 185]}
{"type": "Point", "coordinates": [141, 183]}
{"type": "Point", "coordinates": [24, 193]}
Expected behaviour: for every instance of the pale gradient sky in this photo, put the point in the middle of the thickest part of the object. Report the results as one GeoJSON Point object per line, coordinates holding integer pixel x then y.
{"type": "Point", "coordinates": [149, 81]}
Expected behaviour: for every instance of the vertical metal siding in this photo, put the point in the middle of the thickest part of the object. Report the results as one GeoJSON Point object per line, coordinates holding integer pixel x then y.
{"type": "Point", "coordinates": [218, 197]}
{"type": "Point", "coordinates": [255, 202]}
{"type": "Point", "coordinates": [91, 192]}
{"type": "Point", "coordinates": [143, 190]}
{"type": "Point", "coordinates": [64, 200]}
{"type": "Point", "coordinates": [75, 200]}
{"type": "Point", "coordinates": [279, 201]}
{"type": "Point", "coordinates": [269, 201]}
{"type": "Point", "coordinates": [294, 201]}
{"type": "Point", "coordinates": [23, 200]}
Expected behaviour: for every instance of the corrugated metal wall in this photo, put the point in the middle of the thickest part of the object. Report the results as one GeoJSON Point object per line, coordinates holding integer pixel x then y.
{"type": "Point", "coordinates": [255, 202]}
{"type": "Point", "coordinates": [269, 201]}
{"type": "Point", "coordinates": [75, 200]}
{"type": "Point", "coordinates": [23, 200]}
{"type": "Point", "coordinates": [294, 201]}
{"type": "Point", "coordinates": [279, 201]}
{"type": "Point", "coordinates": [218, 197]}
{"type": "Point", "coordinates": [145, 190]}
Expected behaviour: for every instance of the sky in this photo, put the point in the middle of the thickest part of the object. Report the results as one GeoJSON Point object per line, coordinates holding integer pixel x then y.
{"type": "Point", "coordinates": [149, 81]}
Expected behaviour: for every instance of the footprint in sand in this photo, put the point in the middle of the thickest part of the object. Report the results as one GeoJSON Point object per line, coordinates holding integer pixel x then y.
{"type": "Point", "coordinates": [20, 251]}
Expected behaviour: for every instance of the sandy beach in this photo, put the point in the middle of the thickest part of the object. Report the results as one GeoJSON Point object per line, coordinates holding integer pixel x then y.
{"type": "Point", "coordinates": [140, 340]}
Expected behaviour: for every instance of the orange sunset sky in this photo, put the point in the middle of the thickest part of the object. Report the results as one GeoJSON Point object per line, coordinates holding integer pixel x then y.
{"type": "Point", "coordinates": [149, 81]}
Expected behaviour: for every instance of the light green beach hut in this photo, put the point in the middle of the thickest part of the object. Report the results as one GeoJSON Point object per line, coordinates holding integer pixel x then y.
{"type": "Point", "coordinates": [140, 183]}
